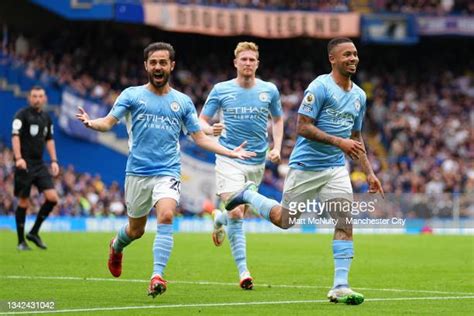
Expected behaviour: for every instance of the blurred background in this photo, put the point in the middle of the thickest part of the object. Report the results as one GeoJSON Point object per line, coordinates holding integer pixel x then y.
{"type": "Point", "coordinates": [416, 67]}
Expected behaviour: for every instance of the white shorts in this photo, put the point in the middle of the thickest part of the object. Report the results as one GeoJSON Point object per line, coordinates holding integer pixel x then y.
{"type": "Point", "coordinates": [232, 175]}
{"type": "Point", "coordinates": [303, 186]}
{"type": "Point", "coordinates": [142, 193]}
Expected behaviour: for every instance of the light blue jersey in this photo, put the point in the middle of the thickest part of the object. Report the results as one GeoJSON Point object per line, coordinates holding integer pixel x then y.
{"type": "Point", "coordinates": [154, 124]}
{"type": "Point", "coordinates": [245, 114]}
{"type": "Point", "coordinates": [336, 112]}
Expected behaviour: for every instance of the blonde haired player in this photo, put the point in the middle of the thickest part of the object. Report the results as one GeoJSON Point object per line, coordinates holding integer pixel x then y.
{"type": "Point", "coordinates": [245, 103]}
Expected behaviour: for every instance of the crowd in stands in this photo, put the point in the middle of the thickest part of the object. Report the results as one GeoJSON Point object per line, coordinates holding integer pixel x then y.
{"type": "Point", "coordinates": [81, 194]}
{"type": "Point", "coordinates": [307, 5]}
{"type": "Point", "coordinates": [426, 7]}
{"type": "Point", "coordinates": [418, 126]}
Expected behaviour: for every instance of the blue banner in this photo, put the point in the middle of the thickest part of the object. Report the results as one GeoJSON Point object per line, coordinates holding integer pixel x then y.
{"type": "Point", "coordinates": [79, 9]}
{"type": "Point", "coordinates": [446, 25]}
{"type": "Point", "coordinates": [129, 12]}
{"type": "Point", "coordinates": [68, 121]}
{"type": "Point", "coordinates": [389, 29]}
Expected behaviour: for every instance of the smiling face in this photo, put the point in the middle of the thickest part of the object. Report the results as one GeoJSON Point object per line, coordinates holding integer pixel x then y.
{"type": "Point", "coordinates": [159, 67]}
{"type": "Point", "coordinates": [344, 59]}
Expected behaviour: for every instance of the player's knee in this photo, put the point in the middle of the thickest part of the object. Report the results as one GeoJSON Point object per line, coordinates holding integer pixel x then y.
{"type": "Point", "coordinates": [286, 224]}
{"type": "Point", "coordinates": [165, 217]}
{"type": "Point", "coordinates": [136, 233]}
{"type": "Point", "coordinates": [23, 202]}
{"type": "Point", "coordinates": [52, 197]}
{"type": "Point", "coordinates": [280, 218]}
{"type": "Point", "coordinates": [53, 201]}
{"type": "Point", "coordinates": [237, 213]}
{"type": "Point", "coordinates": [343, 233]}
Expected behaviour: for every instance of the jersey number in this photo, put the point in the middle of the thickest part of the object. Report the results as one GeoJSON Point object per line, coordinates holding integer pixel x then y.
{"type": "Point", "coordinates": [175, 185]}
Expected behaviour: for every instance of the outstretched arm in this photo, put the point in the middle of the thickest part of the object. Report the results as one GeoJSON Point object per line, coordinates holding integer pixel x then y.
{"type": "Point", "coordinates": [374, 183]}
{"type": "Point", "coordinates": [102, 124]}
{"type": "Point", "coordinates": [209, 144]}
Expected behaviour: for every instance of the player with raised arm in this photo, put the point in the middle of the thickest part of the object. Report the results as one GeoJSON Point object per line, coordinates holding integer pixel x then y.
{"type": "Point", "coordinates": [245, 104]}
{"type": "Point", "coordinates": [155, 115]}
{"type": "Point", "coordinates": [329, 126]}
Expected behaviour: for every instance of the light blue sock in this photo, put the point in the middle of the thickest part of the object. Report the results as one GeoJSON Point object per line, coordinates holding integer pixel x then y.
{"type": "Point", "coordinates": [262, 204]}
{"type": "Point", "coordinates": [162, 247]}
{"type": "Point", "coordinates": [237, 243]}
{"type": "Point", "coordinates": [122, 240]}
{"type": "Point", "coordinates": [222, 218]}
{"type": "Point", "coordinates": [343, 251]}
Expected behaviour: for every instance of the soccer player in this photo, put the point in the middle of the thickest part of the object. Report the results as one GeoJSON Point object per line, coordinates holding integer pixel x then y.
{"type": "Point", "coordinates": [329, 126]}
{"type": "Point", "coordinates": [246, 104]}
{"type": "Point", "coordinates": [155, 114]}
{"type": "Point", "coordinates": [32, 130]}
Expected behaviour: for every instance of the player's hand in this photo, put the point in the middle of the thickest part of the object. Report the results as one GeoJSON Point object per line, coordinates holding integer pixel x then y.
{"type": "Point", "coordinates": [54, 168]}
{"type": "Point", "coordinates": [240, 153]}
{"type": "Point", "coordinates": [84, 117]}
{"type": "Point", "coordinates": [21, 164]}
{"type": "Point", "coordinates": [375, 185]}
{"type": "Point", "coordinates": [352, 148]}
{"type": "Point", "coordinates": [274, 156]}
{"type": "Point", "coordinates": [217, 129]}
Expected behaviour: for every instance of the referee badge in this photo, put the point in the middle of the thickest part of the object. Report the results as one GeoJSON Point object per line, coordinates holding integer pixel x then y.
{"type": "Point", "coordinates": [34, 129]}
{"type": "Point", "coordinates": [174, 106]}
{"type": "Point", "coordinates": [17, 124]}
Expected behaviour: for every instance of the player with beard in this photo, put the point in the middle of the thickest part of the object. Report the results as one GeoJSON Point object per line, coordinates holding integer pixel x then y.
{"type": "Point", "coordinates": [329, 126]}
{"type": "Point", "coordinates": [155, 114]}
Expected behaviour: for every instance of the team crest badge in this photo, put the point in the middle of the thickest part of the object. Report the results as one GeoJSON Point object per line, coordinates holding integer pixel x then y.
{"type": "Point", "coordinates": [174, 106]}
{"type": "Point", "coordinates": [34, 129]}
{"type": "Point", "coordinates": [263, 97]}
{"type": "Point", "coordinates": [357, 105]}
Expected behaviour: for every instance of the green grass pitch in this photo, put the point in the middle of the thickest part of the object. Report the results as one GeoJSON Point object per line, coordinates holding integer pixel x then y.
{"type": "Point", "coordinates": [398, 274]}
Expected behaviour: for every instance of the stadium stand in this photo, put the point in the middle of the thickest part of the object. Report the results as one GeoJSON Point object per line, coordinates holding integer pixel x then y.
{"type": "Point", "coordinates": [419, 120]}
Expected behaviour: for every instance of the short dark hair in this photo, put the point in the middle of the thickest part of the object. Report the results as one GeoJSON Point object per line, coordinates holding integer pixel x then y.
{"type": "Point", "coordinates": [336, 41]}
{"type": "Point", "coordinates": [36, 87]}
{"type": "Point", "coordinates": [153, 47]}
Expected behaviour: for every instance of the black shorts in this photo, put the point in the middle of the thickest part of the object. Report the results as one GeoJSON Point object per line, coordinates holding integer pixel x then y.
{"type": "Point", "coordinates": [37, 175]}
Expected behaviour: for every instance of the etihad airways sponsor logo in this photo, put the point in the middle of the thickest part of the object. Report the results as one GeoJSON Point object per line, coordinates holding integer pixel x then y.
{"type": "Point", "coordinates": [341, 118]}
{"type": "Point", "coordinates": [246, 110]}
{"type": "Point", "coordinates": [159, 121]}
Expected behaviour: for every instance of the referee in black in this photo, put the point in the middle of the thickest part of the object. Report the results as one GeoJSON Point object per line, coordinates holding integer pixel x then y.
{"type": "Point", "coordinates": [32, 129]}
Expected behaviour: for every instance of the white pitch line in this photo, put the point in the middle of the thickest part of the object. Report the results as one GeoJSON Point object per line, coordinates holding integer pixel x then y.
{"type": "Point", "coordinates": [98, 309]}
{"type": "Point", "coordinates": [223, 283]}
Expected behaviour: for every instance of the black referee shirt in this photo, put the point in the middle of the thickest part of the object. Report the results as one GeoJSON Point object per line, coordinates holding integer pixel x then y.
{"type": "Point", "coordinates": [34, 129]}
